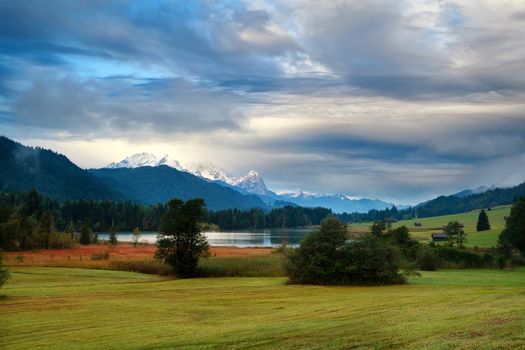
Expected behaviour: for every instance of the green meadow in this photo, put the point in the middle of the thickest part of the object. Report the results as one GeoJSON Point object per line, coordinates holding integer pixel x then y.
{"type": "Point", "coordinates": [62, 308]}
{"type": "Point", "coordinates": [431, 225]}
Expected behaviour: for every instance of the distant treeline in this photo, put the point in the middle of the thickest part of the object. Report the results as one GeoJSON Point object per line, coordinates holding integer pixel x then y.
{"type": "Point", "coordinates": [126, 216]}
{"type": "Point", "coordinates": [233, 219]}
{"type": "Point", "coordinates": [100, 214]}
{"type": "Point", "coordinates": [443, 205]}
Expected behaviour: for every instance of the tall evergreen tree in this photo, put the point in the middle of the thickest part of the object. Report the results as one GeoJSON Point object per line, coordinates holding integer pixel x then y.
{"type": "Point", "coordinates": [483, 222]}
{"type": "Point", "coordinates": [46, 228]}
{"type": "Point", "coordinates": [86, 235]}
{"type": "Point", "coordinates": [513, 236]}
{"type": "Point", "coordinates": [377, 228]}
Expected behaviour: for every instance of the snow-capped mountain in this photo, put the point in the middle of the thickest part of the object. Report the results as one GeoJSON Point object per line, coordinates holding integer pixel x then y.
{"type": "Point", "coordinates": [251, 182]}
{"type": "Point", "coordinates": [339, 203]}
{"type": "Point", "coordinates": [136, 161]}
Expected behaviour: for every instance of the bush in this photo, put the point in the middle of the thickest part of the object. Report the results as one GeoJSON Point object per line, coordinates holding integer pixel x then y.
{"type": "Point", "coordinates": [488, 260]}
{"type": "Point", "coordinates": [401, 238]}
{"type": "Point", "coordinates": [326, 257]}
{"type": "Point", "coordinates": [4, 273]}
{"type": "Point", "coordinates": [427, 260]}
{"type": "Point", "coordinates": [455, 257]}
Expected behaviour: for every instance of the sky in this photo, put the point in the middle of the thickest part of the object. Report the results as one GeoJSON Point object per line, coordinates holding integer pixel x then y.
{"type": "Point", "coordinates": [397, 100]}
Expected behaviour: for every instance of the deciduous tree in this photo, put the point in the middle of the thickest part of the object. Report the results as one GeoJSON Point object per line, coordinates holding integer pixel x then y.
{"type": "Point", "coordinates": [112, 237]}
{"type": "Point", "coordinates": [180, 242]}
{"type": "Point", "coordinates": [136, 236]}
{"type": "Point", "coordinates": [455, 233]}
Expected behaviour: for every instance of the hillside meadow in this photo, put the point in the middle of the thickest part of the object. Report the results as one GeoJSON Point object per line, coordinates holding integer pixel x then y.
{"type": "Point", "coordinates": [63, 308]}
{"type": "Point", "coordinates": [484, 239]}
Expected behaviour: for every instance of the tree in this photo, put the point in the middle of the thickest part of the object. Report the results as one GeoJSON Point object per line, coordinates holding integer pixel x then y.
{"type": "Point", "coordinates": [427, 260]}
{"type": "Point", "coordinates": [513, 235]}
{"type": "Point", "coordinates": [327, 257]}
{"type": "Point", "coordinates": [401, 237]}
{"type": "Point", "coordinates": [377, 228]}
{"type": "Point", "coordinates": [483, 222]}
{"type": "Point", "coordinates": [4, 272]}
{"type": "Point", "coordinates": [86, 235]}
{"type": "Point", "coordinates": [112, 237]}
{"type": "Point", "coordinates": [136, 236]}
{"type": "Point", "coordinates": [180, 242]}
{"type": "Point", "coordinates": [455, 233]}
{"type": "Point", "coordinates": [46, 229]}
{"type": "Point", "coordinates": [32, 204]}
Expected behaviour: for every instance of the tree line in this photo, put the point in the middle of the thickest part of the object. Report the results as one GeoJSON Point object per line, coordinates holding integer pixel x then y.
{"type": "Point", "coordinates": [32, 221]}
{"type": "Point", "coordinates": [234, 219]}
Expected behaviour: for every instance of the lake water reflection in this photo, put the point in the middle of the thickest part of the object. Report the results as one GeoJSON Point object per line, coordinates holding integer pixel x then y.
{"type": "Point", "coordinates": [246, 238]}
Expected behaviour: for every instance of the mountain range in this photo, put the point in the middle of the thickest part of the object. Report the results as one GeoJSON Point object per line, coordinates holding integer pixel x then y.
{"type": "Point", "coordinates": [253, 183]}
{"type": "Point", "coordinates": [146, 179]}
{"type": "Point", "coordinates": [55, 176]}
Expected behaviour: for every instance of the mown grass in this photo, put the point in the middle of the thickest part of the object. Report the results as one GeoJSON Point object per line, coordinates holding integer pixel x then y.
{"type": "Point", "coordinates": [61, 308]}
{"type": "Point", "coordinates": [433, 224]}
{"type": "Point", "coordinates": [253, 266]}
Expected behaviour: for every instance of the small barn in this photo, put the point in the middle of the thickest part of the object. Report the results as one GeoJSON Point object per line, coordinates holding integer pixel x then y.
{"type": "Point", "coordinates": [437, 237]}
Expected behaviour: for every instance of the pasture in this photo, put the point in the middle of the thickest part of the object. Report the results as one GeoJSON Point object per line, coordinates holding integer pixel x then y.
{"type": "Point", "coordinates": [484, 239]}
{"type": "Point", "coordinates": [65, 308]}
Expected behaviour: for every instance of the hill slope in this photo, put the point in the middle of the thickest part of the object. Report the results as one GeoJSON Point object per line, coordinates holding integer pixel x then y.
{"type": "Point", "coordinates": [52, 174]}
{"type": "Point", "coordinates": [453, 204]}
{"type": "Point", "coordinates": [150, 185]}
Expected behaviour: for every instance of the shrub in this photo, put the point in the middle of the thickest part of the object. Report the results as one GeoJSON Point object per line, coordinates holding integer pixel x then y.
{"type": "Point", "coordinates": [488, 260]}
{"type": "Point", "coordinates": [4, 273]}
{"type": "Point", "coordinates": [427, 260]}
{"type": "Point", "coordinates": [401, 237]}
{"type": "Point", "coordinates": [326, 257]}
{"type": "Point", "coordinates": [455, 257]}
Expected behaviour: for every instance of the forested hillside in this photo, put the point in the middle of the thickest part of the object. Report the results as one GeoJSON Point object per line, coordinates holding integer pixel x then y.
{"type": "Point", "coordinates": [54, 175]}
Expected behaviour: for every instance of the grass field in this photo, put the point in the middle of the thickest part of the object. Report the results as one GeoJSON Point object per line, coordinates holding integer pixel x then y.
{"type": "Point", "coordinates": [61, 308]}
{"type": "Point", "coordinates": [433, 225]}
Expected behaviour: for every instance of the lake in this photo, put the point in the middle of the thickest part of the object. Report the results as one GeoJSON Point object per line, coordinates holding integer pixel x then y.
{"type": "Point", "coordinates": [270, 237]}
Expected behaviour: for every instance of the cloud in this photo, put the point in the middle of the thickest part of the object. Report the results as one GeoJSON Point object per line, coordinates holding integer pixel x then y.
{"type": "Point", "coordinates": [102, 108]}
{"type": "Point", "coordinates": [399, 100]}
